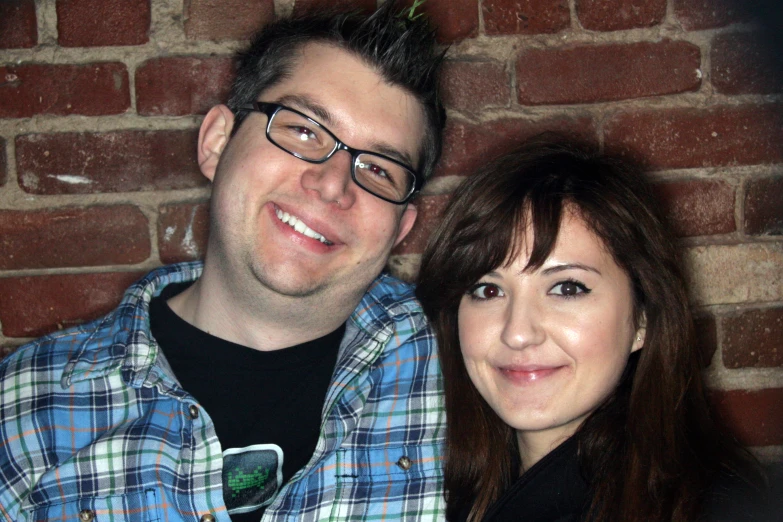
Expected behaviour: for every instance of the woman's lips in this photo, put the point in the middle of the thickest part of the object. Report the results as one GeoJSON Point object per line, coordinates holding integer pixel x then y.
{"type": "Point", "coordinates": [529, 373]}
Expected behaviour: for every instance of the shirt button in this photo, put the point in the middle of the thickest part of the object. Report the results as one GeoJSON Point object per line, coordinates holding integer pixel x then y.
{"type": "Point", "coordinates": [207, 518]}
{"type": "Point", "coordinates": [193, 410]}
{"type": "Point", "coordinates": [86, 515]}
{"type": "Point", "coordinates": [404, 463]}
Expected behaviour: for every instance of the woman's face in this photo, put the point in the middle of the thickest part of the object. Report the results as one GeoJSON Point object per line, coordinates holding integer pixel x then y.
{"type": "Point", "coordinates": [546, 347]}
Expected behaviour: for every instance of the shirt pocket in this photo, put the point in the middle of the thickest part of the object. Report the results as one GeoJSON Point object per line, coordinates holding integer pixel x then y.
{"type": "Point", "coordinates": [395, 482]}
{"type": "Point", "coordinates": [143, 506]}
{"type": "Point", "coordinates": [390, 463]}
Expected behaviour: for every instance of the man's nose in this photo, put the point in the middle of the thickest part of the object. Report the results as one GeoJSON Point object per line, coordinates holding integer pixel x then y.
{"type": "Point", "coordinates": [332, 180]}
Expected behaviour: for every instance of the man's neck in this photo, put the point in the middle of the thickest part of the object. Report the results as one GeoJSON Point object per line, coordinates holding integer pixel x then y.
{"type": "Point", "coordinates": [257, 317]}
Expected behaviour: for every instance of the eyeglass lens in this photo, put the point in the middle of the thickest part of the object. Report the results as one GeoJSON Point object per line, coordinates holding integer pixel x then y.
{"type": "Point", "coordinates": [310, 141]}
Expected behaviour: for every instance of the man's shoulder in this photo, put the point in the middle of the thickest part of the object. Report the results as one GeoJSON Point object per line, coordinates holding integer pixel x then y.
{"type": "Point", "coordinates": [392, 323]}
{"type": "Point", "coordinates": [390, 307]}
{"type": "Point", "coordinates": [392, 295]}
{"type": "Point", "coordinates": [97, 344]}
{"type": "Point", "coordinates": [50, 354]}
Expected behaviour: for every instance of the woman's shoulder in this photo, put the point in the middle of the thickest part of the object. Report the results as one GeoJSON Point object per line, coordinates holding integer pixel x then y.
{"type": "Point", "coordinates": [553, 490]}
{"type": "Point", "coordinates": [737, 498]}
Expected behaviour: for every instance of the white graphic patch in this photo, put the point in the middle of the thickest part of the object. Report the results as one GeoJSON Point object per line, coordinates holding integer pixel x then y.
{"type": "Point", "coordinates": [251, 476]}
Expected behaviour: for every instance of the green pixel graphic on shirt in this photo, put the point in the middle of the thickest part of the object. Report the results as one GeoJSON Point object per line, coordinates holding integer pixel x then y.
{"type": "Point", "coordinates": [239, 481]}
{"type": "Point", "coordinates": [251, 477]}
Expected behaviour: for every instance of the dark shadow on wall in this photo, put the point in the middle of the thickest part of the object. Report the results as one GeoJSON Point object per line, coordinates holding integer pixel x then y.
{"type": "Point", "coordinates": [768, 15]}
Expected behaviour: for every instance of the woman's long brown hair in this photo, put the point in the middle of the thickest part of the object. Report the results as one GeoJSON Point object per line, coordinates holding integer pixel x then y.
{"type": "Point", "coordinates": [651, 450]}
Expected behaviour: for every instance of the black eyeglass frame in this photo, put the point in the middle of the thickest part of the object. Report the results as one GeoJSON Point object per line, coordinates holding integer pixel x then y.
{"type": "Point", "coordinates": [270, 109]}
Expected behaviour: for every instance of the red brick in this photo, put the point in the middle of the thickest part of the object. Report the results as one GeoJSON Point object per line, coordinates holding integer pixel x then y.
{"type": "Point", "coordinates": [34, 306]}
{"type": "Point", "coordinates": [614, 15]}
{"type": "Point", "coordinates": [305, 6]}
{"type": "Point", "coordinates": [73, 237]}
{"type": "Point", "coordinates": [6, 350]}
{"type": "Point", "coordinates": [3, 163]}
{"type": "Point", "coordinates": [698, 208]}
{"type": "Point", "coordinates": [744, 64]}
{"type": "Point", "coordinates": [706, 338]}
{"type": "Point", "coordinates": [687, 138]}
{"type": "Point", "coordinates": [753, 339]}
{"type": "Point", "coordinates": [93, 23]}
{"type": "Point", "coordinates": [430, 210]}
{"type": "Point", "coordinates": [764, 207]}
{"type": "Point", "coordinates": [182, 85]}
{"type": "Point", "coordinates": [707, 14]}
{"type": "Point", "coordinates": [91, 90]}
{"type": "Point", "coordinates": [755, 417]}
{"type": "Point", "coordinates": [18, 25]}
{"type": "Point", "coordinates": [121, 161]}
{"type": "Point", "coordinates": [525, 16]}
{"type": "Point", "coordinates": [226, 19]}
{"type": "Point", "coordinates": [182, 232]}
{"type": "Point", "coordinates": [607, 72]}
{"type": "Point", "coordinates": [453, 20]}
{"type": "Point", "coordinates": [467, 146]}
{"type": "Point", "coordinates": [472, 86]}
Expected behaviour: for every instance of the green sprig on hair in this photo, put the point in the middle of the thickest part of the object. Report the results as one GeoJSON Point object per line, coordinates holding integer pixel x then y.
{"type": "Point", "coordinates": [410, 12]}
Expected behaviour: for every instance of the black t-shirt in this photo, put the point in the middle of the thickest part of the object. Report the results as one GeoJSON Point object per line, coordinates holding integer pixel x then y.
{"type": "Point", "coordinates": [266, 406]}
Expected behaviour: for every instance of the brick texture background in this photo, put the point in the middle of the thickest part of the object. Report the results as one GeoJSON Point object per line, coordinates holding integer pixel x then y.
{"type": "Point", "coordinates": [100, 102]}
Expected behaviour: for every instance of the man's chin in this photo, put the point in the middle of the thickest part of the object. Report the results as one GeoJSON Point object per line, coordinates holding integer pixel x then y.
{"type": "Point", "coordinates": [299, 284]}
{"type": "Point", "coordinates": [290, 285]}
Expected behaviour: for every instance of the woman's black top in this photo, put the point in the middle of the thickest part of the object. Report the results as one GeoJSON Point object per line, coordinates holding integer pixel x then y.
{"type": "Point", "coordinates": [553, 490]}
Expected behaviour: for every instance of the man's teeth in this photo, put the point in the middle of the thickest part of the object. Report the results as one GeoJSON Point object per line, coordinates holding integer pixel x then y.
{"type": "Point", "coordinates": [300, 227]}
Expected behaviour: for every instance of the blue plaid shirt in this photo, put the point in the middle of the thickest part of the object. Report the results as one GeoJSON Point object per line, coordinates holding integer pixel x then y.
{"type": "Point", "coordinates": [94, 425]}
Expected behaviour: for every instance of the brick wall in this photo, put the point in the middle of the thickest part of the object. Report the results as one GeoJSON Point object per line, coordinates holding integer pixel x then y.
{"type": "Point", "coordinates": [100, 101]}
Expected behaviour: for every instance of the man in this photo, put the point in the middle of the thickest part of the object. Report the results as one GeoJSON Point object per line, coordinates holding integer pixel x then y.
{"type": "Point", "coordinates": [287, 380]}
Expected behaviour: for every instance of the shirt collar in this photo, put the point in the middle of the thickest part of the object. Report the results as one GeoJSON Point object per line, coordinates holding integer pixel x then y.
{"type": "Point", "coordinates": [131, 345]}
{"type": "Point", "coordinates": [133, 348]}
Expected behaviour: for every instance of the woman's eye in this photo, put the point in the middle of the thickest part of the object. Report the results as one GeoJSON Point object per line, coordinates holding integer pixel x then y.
{"type": "Point", "coordinates": [483, 291]}
{"type": "Point", "coordinates": [569, 289]}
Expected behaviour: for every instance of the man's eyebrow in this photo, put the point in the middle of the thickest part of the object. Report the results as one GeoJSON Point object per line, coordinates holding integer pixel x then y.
{"type": "Point", "coordinates": [569, 266]}
{"type": "Point", "coordinates": [307, 104]}
{"type": "Point", "coordinates": [388, 150]}
{"type": "Point", "coordinates": [322, 115]}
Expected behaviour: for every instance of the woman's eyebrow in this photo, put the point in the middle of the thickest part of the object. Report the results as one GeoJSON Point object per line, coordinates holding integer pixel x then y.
{"type": "Point", "coordinates": [569, 266]}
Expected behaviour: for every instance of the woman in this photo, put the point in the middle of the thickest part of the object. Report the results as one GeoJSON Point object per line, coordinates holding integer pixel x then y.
{"type": "Point", "coordinates": [573, 391]}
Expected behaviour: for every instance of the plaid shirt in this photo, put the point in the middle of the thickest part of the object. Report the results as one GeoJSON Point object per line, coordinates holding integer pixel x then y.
{"type": "Point", "coordinates": [94, 425]}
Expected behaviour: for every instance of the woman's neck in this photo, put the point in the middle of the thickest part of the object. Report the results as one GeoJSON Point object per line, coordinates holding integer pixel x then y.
{"type": "Point", "coordinates": [535, 445]}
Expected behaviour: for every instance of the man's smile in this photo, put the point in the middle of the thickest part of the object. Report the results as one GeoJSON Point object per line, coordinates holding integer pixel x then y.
{"type": "Point", "coordinates": [300, 227]}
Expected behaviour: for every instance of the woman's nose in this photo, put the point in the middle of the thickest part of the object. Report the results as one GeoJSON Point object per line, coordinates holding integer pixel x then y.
{"type": "Point", "coordinates": [522, 326]}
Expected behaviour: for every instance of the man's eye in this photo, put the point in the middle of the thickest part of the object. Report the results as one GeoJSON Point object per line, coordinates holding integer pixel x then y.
{"type": "Point", "coordinates": [374, 169]}
{"type": "Point", "coordinates": [569, 289]}
{"type": "Point", "coordinates": [304, 133]}
{"type": "Point", "coordinates": [485, 291]}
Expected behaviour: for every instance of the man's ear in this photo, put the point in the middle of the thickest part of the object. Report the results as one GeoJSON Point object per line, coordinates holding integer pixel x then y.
{"type": "Point", "coordinates": [213, 137]}
{"type": "Point", "coordinates": [406, 222]}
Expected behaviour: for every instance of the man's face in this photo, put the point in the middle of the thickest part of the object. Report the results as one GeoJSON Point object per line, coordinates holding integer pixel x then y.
{"type": "Point", "coordinates": [304, 229]}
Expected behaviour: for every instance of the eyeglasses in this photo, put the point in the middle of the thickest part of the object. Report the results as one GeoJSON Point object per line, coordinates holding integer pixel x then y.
{"type": "Point", "coordinates": [308, 140]}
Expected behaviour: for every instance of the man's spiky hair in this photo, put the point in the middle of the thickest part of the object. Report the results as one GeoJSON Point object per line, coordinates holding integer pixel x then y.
{"type": "Point", "coordinates": [401, 48]}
